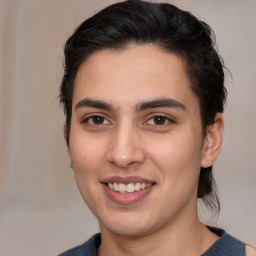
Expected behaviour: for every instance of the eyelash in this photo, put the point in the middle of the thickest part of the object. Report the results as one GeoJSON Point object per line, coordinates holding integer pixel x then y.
{"type": "Point", "coordinates": [87, 120]}
{"type": "Point", "coordinates": [166, 120]}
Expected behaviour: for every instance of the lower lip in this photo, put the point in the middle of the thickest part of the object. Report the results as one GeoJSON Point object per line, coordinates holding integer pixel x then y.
{"type": "Point", "coordinates": [126, 198]}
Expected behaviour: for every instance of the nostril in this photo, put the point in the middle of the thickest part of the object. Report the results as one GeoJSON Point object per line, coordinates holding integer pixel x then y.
{"type": "Point", "coordinates": [130, 158]}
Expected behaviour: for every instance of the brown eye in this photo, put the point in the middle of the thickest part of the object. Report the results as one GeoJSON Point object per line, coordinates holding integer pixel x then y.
{"type": "Point", "coordinates": [159, 120]}
{"type": "Point", "coordinates": [96, 120]}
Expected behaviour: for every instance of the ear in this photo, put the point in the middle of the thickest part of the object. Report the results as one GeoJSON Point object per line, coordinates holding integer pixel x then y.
{"type": "Point", "coordinates": [66, 138]}
{"type": "Point", "coordinates": [212, 141]}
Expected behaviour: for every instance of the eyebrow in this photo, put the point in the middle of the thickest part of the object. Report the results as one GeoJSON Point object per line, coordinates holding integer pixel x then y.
{"type": "Point", "coordinates": [157, 103]}
{"type": "Point", "coordinates": [94, 104]}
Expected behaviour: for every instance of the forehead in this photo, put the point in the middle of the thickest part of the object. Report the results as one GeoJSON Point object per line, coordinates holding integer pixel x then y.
{"type": "Point", "coordinates": [136, 72]}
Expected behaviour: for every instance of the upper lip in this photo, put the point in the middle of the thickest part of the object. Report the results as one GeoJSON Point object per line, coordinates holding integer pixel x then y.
{"type": "Point", "coordinates": [126, 180]}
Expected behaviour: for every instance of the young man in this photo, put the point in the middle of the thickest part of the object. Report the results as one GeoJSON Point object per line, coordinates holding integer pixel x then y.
{"type": "Point", "coordinates": [143, 93]}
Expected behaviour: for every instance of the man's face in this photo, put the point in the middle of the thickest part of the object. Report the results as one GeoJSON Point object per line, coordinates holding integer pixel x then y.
{"type": "Point", "coordinates": [136, 140]}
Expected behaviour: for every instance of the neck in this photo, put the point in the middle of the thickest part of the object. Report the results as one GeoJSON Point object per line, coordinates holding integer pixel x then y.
{"type": "Point", "coordinates": [186, 237]}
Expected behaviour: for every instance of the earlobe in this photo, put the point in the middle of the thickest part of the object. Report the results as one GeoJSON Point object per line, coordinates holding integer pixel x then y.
{"type": "Point", "coordinates": [212, 141]}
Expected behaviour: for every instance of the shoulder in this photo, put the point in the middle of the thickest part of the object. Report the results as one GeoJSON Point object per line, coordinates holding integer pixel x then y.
{"type": "Point", "coordinates": [250, 251]}
{"type": "Point", "coordinates": [88, 248]}
{"type": "Point", "coordinates": [226, 245]}
{"type": "Point", "coordinates": [72, 252]}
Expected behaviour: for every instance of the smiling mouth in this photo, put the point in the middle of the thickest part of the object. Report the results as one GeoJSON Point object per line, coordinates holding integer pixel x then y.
{"type": "Point", "coordinates": [128, 188]}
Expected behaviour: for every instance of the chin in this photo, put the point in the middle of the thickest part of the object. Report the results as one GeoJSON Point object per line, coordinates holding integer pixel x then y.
{"type": "Point", "coordinates": [127, 226]}
{"type": "Point", "coordinates": [128, 231]}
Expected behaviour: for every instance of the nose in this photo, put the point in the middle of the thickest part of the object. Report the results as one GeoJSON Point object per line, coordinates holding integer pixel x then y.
{"type": "Point", "coordinates": [126, 147]}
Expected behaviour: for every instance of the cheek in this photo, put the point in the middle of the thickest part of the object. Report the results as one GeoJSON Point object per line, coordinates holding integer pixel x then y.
{"type": "Point", "coordinates": [87, 158]}
{"type": "Point", "coordinates": [178, 157]}
{"type": "Point", "coordinates": [85, 152]}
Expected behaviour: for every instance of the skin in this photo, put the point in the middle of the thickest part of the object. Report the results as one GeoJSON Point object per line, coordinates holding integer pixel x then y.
{"type": "Point", "coordinates": [128, 141]}
{"type": "Point", "coordinates": [250, 251]}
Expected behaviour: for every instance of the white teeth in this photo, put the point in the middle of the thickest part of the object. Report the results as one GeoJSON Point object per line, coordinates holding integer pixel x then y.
{"type": "Point", "coordinates": [115, 186]}
{"type": "Point", "coordinates": [137, 186]}
{"type": "Point", "coordinates": [129, 188]}
{"type": "Point", "coordinates": [122, 188]}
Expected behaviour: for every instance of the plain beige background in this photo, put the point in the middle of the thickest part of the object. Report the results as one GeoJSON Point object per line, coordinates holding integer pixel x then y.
{"type": "Point", "coordinates": [41, 212]}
